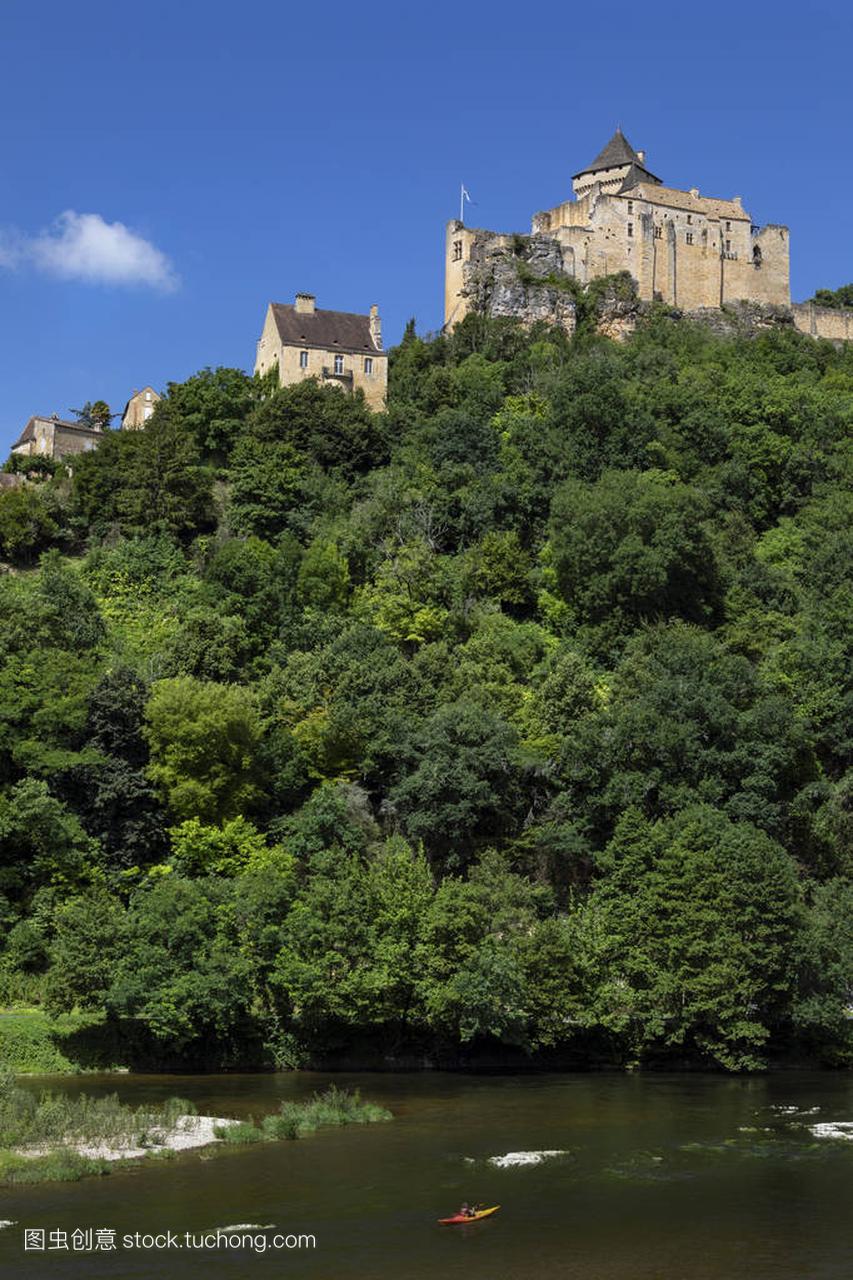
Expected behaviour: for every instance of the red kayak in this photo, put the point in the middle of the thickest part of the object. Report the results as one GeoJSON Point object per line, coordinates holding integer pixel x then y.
{"type": "Point", "coordinates": [459, 1218]}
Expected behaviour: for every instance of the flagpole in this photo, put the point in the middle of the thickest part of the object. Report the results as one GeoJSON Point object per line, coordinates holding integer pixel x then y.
{"type": "Point", "coordinates": [461, 201]}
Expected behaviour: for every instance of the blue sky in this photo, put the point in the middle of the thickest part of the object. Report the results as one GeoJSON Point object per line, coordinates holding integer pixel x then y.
{"type": "Point", "coordinates": [248, 151]}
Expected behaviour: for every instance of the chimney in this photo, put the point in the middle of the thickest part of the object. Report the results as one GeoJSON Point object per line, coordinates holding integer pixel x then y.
{"type": "Point", "coordinates": [305, 304]}
{"type": "Point", "coordinates": [738, 200]}
{"type": "Point", "coordinates": [375, 327]}
{"type": "Point", "coordinates": [641, 156]}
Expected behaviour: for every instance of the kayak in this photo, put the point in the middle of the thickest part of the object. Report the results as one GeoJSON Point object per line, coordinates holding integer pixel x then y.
{"type": "Point", "coordinates": [459, 1218]}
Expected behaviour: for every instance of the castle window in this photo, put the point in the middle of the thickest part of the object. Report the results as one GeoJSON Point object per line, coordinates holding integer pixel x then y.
{"type": "Point", "coordinates": [339, 364]}
{"type": "Point", "coordinates": [658, 233]}
{"type": "Point", "coordinates": [630, 229]}
{"type": "Point", "coordinates": [457, 250]}
{"type": "Point", "coordinates": [630, 206]}
{"type": "Point", "coordinates": [690, 217]}
{"type": "Point", "coordinates": [728, 226]}
{"type": "Point", "coordinates": [303, 359]}
{"type": "Point", "coordinates": [756, 256]}
{"type": "Point", "coordinates": [689, 237]}
{"type": "Point", "coordinates": [728, 246]}
{"type": "Point", "coordinates": [704, 238]}
{"type": "Point", "coordinates": [368, 364]}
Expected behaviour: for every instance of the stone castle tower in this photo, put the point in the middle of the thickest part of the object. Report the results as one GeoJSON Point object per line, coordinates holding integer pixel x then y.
{"type": "Point", "coordinates": [689, 250]}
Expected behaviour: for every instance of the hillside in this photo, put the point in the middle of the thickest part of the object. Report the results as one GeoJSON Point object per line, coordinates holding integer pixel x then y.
{"type": "Point", "coordinates": [515, 719]}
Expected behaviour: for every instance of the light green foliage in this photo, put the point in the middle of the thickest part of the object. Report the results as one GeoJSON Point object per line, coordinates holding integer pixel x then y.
{"type": "Point", "coordinates": [204, 740]}
{"type": "Point", "coordinates": [203, 850]}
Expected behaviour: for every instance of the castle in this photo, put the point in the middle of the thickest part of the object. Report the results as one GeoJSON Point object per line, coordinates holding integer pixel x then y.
{"type": "Point", "coordinates": [691, 251]}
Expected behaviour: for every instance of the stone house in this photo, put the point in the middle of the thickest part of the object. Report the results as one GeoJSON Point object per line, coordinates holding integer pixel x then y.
{"type": "Point", "coordinates": [692, 251]}
{"type": "Point", "coordinates": [342, 348]}
{"type": "Point", "coordinates": [54, 438]}
{"type": "Point", "coordinates": [139, 409]}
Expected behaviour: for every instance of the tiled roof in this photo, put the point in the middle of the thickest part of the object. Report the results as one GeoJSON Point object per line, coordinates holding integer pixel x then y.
{"type": "Point", "coordinates": [674, 199]}
{"type": "Point", "coordinates": [331, 330]}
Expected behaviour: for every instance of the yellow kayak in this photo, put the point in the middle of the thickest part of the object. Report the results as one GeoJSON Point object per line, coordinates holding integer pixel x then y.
{"type": "Point", "coordinates": [459, 1219]}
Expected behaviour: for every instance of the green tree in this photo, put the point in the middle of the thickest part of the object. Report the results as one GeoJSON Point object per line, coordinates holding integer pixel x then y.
{"type": "Point", "coordinates": [632, 547]}
{"type": "Point", "coordinates": [463, 784]}
{"type": "Point", "coordinates": [702, 917]}
{"type": "Point", "coordinates": [26, 525]}
{"type": "Point", "coordinates": [204, 740]}
{"type": "Point", "coordinates": [212, 406]}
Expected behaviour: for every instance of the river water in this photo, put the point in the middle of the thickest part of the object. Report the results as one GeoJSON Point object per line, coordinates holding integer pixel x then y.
{"type": "Point", "coordinates": [659, 1177]}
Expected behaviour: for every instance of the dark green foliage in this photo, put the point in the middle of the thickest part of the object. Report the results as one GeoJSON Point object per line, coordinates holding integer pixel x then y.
{"type": "Point", "coordinates": [841, 297]}
{"type": "Point", "coordinates": [463, 783]}
{"type": "Point", "coordinates": [26, 524]}
{"type": "Point", "coordinates": [516, 715]}
{"type": "Point", "coordinates": [699, 918]}
{"type": "Point", "coordinates": [212, 406]}
{"type": "Point", "coordinates": [632, 548]}
{"type": "Point", "coordinates": [331, 429]}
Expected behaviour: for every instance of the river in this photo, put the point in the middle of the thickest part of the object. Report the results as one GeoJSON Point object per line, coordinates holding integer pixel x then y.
{"type": "Point", "coordinates": [658, 1177]}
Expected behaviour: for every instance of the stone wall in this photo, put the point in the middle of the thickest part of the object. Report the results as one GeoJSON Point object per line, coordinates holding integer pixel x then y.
{"type": "Point", "coordinates": [834, 323]}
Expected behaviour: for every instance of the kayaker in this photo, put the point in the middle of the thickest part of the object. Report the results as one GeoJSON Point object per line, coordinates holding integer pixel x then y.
{"type": "Point", "coordinates": [467, 1211]}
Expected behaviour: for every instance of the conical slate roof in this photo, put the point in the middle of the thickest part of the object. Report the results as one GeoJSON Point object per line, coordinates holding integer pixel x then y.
{"type": "Point", "coordinates": [617, 152]}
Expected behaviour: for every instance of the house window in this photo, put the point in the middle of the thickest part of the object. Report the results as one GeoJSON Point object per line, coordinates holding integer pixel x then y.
{"type": "Point", "coordinates": [457, 250]}
{"type": "Point", "coordinates": [147, 411]}
{"type": "Point", "coordinates": [630, 206]}
{"type": "Point", "coordinates": [368, 364]}
{"type": "Point", "coordinates": [658, 233]}
{"type": "Point", "coordinates": [630, 229]}
{"type": "Point", "coordinates": [303, 359]}
{"type": "Point", "coordinates": [728, 226]}
{"type": "Point", "coordinates": [689, 237]}
{"type": "Point", "coordinates": [147, 395]}
{"type": "Point", "coordinates": [339, 364]}
{"type": "Point", "coordinates": [728, 246]}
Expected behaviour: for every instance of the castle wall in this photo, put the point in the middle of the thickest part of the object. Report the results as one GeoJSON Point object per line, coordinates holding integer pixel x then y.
{"type": "Point", "coordinates": [834, 323]}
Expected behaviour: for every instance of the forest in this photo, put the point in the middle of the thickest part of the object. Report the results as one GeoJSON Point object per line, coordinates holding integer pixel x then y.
{"type": "Point", "coordinates": [514, 720]}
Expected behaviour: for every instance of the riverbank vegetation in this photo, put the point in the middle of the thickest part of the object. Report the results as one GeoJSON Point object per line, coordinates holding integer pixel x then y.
{"type": "Point", "coordinates": [514, 720]}
{"type": "Point", "coordinates": [331, 1108]}
{"type": "Point", "coordinates": [49, 1137]}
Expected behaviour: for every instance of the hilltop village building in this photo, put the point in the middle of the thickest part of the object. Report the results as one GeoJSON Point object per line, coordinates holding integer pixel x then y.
{"type": "Point", "coordinates": [139, 409]}
{"type": "Point", "coordinates": [681, 247]}
{"type": "Point", "coordinates": [54, 438]}
{"type": "Point", "coordinates": [338, 347]}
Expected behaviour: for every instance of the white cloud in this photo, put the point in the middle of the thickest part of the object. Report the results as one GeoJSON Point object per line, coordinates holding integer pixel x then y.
{"type": "Point", "coordinates": [82, 246]}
